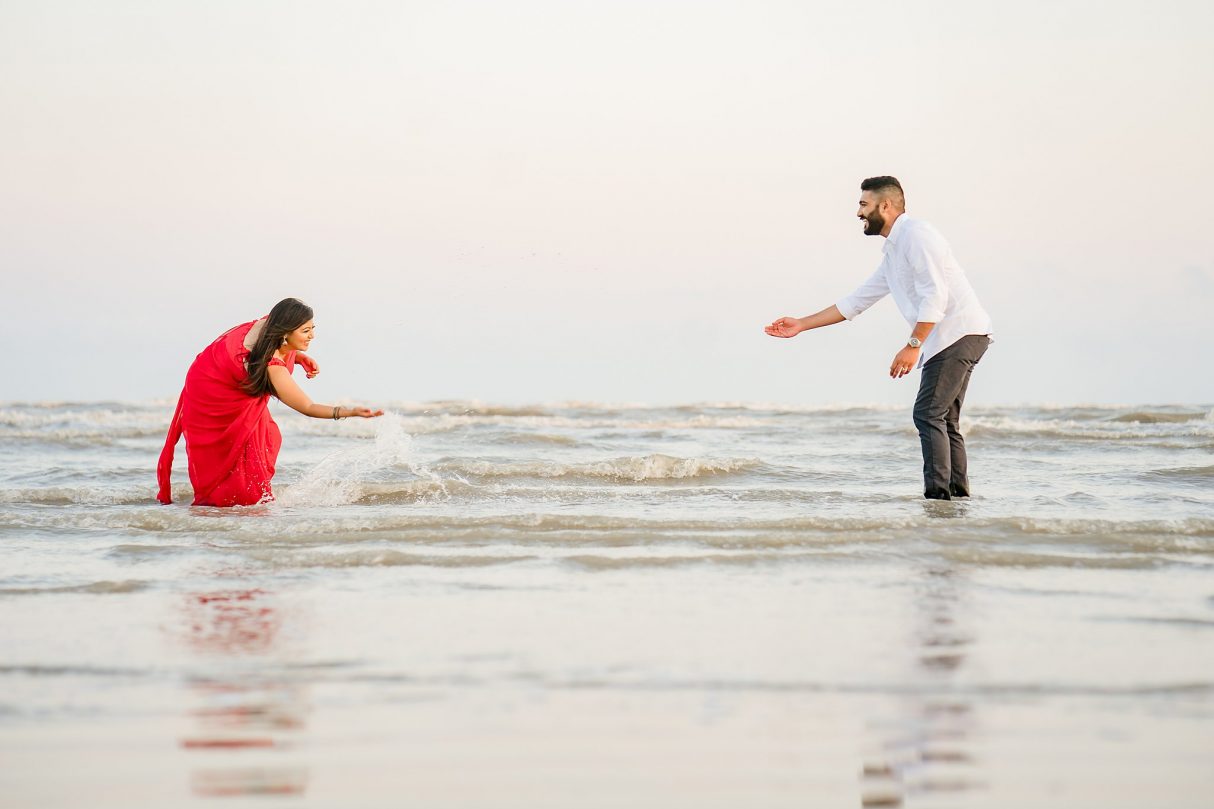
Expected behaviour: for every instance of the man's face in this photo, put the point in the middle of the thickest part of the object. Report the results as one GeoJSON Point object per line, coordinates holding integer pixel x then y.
{"type": "Point", "coordinates": [870, 213]}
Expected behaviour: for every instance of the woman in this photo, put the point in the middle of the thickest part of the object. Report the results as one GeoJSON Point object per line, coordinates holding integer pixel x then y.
{"type": "Point", "coordinates": [224, 411]}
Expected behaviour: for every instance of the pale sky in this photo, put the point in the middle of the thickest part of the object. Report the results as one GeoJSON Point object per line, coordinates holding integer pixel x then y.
{"type": "Point", "coordinates": [543, 200]}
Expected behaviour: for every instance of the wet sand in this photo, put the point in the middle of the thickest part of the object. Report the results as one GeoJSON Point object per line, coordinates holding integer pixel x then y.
{"type": "Point", "coordinates": [834, 685]}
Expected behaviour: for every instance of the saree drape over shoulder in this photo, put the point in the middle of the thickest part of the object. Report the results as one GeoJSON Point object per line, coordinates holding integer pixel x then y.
{"type": "Point", "coordinates": [231, 441]}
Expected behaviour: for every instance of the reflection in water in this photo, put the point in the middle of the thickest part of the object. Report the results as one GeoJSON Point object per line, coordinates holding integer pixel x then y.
{"type": "Point", "coordinates": [924, 751]}
{"type": "Point", "coordinates": [228, 783]}
{"type": "Point", "coordinates": [945, 509]}
{"type": "Point", "coordinates": [239, 708]}
{"type": "Point", "coordinates": [232, 622]}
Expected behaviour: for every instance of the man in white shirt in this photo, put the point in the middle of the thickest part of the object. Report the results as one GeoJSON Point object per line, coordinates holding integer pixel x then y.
{"type": "Point", "coordinates": [950, 331]}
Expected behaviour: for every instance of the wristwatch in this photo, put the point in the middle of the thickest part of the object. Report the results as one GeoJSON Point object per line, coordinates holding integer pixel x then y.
{"type": "Point", "coordinates": [914, 342]}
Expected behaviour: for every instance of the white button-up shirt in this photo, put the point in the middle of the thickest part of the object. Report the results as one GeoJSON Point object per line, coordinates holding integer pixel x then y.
{"type": "Point", "coordinates": [928, 286]}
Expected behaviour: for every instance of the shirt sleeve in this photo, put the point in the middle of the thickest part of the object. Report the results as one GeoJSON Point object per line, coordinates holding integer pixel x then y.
{"type": "Point", "coordinates": [865, 295]}
{"type": "Point", "coordinates": [927, 259]}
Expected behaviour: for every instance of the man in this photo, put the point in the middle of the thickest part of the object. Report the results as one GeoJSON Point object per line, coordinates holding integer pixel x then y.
{"type": "Point", "coordinates": [950, 329]}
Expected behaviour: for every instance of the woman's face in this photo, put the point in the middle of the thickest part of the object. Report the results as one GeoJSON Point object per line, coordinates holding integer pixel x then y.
{"type": "Point", "coordinates": [299, 339]}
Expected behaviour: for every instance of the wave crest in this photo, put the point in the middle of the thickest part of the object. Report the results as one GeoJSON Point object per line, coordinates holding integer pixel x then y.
{"type": "Point", "coordinates": [632, 468]}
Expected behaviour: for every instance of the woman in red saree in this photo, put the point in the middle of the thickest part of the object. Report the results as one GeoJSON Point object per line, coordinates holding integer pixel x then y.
{"type": "Point", "coordinates": [231, 441]}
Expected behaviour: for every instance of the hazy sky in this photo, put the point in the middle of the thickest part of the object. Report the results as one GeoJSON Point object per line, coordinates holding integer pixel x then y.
{"type": "Point", "coordinates": [531, 201]}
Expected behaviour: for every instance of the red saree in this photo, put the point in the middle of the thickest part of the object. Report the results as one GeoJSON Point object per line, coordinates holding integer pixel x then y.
{"type": "Point", "coordinates": [231, 441]}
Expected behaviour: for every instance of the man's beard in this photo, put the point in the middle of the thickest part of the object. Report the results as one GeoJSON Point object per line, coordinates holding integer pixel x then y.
{"type": "Point", "coordinates": [873, 224]}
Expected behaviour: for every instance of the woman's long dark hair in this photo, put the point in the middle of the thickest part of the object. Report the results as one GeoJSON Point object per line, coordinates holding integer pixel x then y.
{"type": "Point", "coordinates": [286, 316]}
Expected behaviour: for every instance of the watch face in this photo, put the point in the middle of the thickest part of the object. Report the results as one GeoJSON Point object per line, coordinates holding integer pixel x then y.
{"type": "Point", "coordinates": [914, 342]}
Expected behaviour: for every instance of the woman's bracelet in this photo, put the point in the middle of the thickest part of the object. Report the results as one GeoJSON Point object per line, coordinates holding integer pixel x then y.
{"type": "Point", "coordinates": [335, 409]}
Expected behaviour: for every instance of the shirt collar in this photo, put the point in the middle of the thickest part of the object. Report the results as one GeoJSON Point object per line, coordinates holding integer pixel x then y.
{"type": "Point", "coordinates": [896, 230]}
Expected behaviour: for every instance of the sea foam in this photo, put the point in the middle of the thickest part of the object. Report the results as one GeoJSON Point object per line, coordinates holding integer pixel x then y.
{"type": "Point", "coordinates": [340, 477]}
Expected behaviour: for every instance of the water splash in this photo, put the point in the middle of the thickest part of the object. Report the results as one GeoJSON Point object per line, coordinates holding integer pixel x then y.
{"type": "Point", "coordinates": [339, 479]}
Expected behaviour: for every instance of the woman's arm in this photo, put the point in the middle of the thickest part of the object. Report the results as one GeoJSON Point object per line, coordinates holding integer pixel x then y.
{"type": "Point", "coordinates": [311, 367]}
{"type": "Point", "coordinates": [290, 394]}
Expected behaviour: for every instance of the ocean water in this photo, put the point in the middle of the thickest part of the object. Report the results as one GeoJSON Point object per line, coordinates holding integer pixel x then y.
{"type": "Point", "coordinates": [583, 604]}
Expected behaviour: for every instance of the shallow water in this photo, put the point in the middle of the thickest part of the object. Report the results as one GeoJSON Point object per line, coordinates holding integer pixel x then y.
{"type": "Point", "coordinates": [712, 605]}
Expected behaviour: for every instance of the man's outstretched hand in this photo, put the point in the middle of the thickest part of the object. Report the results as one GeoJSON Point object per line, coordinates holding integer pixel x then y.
{"type": "Point", "coordinates": [784, 327]}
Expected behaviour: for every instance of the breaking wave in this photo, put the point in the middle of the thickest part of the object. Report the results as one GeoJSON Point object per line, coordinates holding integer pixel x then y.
{"type": "Point", "coordinates": [636, 469]}
{"type": "Point", "coordinates": [92, 588]}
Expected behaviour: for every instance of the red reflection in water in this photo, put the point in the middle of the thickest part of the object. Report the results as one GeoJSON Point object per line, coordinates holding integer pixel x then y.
{"type": "Point", "coordinates": [250, 781]}
{"type": "Point", "coordinates": [244, 710]}
{"type": "Point", "coordinates": [224, 744]}
{"type": "Point", "coordinates": [232, 621]}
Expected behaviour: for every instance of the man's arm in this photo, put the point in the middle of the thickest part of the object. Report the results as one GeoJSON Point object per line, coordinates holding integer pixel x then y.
{"type": "Point", "coordinates": [908, 357]}
{"type": "Point", "coordinates": [927, 255]}
{"type": "Point", "coordinates": [872, 290]}
{"type": "Point", "coordinates": [792, 326]}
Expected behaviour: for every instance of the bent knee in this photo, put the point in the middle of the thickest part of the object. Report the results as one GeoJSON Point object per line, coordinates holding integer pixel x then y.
{"type": "Point", "coordinates": [930, 415]}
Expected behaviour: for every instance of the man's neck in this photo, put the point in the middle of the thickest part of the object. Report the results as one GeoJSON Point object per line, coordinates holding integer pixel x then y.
{"type": "Point", "coordinates": [889, 226]}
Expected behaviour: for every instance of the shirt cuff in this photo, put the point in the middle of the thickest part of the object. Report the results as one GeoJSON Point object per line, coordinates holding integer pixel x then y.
{"type": "Point", "coordinates": [930, 314]}
{"type": "Point", "coordinates": [848, 309]}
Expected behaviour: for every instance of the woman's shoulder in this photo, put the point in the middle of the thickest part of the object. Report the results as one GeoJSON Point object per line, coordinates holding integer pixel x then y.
{"type": "Point", "coordinates": [287, 362]}
{"type": "Point", "coordinates": [250, 339]}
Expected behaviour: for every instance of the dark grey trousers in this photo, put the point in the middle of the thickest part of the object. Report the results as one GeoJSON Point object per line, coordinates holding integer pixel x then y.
{"type": "Point", "coordinates": [942, 389]}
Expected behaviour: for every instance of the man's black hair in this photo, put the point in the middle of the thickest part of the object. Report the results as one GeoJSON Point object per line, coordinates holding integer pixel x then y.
{"type": "Point", "coordinates": [878, 183]}
{"type": "Point", "coordinates": [882, 186]}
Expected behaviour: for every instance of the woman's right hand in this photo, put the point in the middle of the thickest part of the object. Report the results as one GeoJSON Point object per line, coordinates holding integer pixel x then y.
{"type": "Point", "coordinates": [363, 412]}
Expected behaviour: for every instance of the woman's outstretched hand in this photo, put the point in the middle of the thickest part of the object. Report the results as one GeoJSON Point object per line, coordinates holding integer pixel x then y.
{"type": "Point", "coordinates": [365, 412]}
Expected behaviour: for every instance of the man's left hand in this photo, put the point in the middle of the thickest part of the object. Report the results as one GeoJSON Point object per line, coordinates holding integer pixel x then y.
{"type": "Point", "coordinates": [904, 362]}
